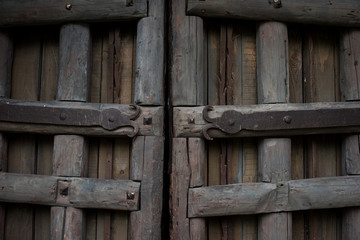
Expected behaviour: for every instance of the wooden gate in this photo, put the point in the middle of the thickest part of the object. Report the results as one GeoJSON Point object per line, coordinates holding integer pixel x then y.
{"type": "Point", "coordinates": [247, 171]}
{"type": "Point", "coordinates": [82, 119]}
{"type": "Point", "coordinates": [77, 161]}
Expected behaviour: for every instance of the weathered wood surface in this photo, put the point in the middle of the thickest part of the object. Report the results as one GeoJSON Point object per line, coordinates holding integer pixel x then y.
{"type": "Point", "coordinates": [273, 76]}
{"type": "Point", "coordinates": [254, 198]}
{"type": "Point", "coordinates": [49, 12]}
{"type": "Point", "coordinates": [70, 191]}
{"type": "Point", "coordinates": [7, 122]}
{"type": "Point", "coordinates": [349, 86]}
{"type": "Point", "coordinates": [187, 52]}
{"type": "Point", "coordinates": [274, 155]}
{"type": "Point", "coordinates": [6, 59]}
{"type": "Point", "coordinates": [180, 182]}
{"type": "Point", "coordinates": [150, 61]}
{"type": "Point", "coordinates": [74, 62]}
{"type": "Point", "coordinates": [146, 223]}
{"type": "Point", "coordinates": [337, 12]}
{"type": "Point", "coordinates": [183, 128]}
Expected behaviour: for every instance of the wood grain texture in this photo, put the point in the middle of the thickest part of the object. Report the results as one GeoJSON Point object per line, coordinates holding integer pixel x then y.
{"type": "Point", "coordinates": [22, 149]}
{"type": "Point", "coordinates": [138, 158]}
{"type": "Point", "coordinates": [273, 76]}
{"type": "Point", "coordinates": [74, 63]}
{"type": "Point", "coordinates": [180, 182]}
{"type": "Point", "coordinates": [6, 59]}
{"type": "Point", "coordinates": [57, 217]}
{"type": "Point", "coordinates": [274, 159]}
{"type": "Point", "coordinates": [349, 86]}
{"type": "Point", "coordinates": [320, 12]}
{"type": "Point", "coordinates": [146, 223]}
{"type": "Point", "coordinates": [150, 65]}
{"type": "Point", "coordinates": [255, 198]}
{"type": "Point", "coordinates": [187, 63]}
{"type": "Point", "coordinates": [321, 84]}
{"type": "Point", "coordinates": [49, 12]}
{"type": "Point", "coordinates": [73, 224]}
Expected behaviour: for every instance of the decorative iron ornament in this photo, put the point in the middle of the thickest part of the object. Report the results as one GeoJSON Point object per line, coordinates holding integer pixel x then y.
{"type": "Point", "coordinates": [60, 114]}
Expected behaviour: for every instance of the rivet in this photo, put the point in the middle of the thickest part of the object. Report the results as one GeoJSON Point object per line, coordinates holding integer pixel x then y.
{"type": "Point", "coordinates": [130, 196]}
{"type": "Point", "coordinates": [63, 116]}
{"type": "Point", "coordinates": [231, 122]}
{"type": "Point", "coordinates": [68, 6]}
{"type": "Point", "coordinates": [276, 3]}
{"type": "Point", "coordinates": [111, 119]}
{"type": "Point", "coordinates": [287, 119]}
{"type": "Point", "coordinates": [147, 120]}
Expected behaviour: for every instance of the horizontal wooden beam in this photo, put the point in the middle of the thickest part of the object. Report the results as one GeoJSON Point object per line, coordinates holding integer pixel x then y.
{"type": "Point", "coordinates": [75, 118]}
{"type": "Point", "coordinates": [267, 120]}
{"type": "Point", "coordinates": [254, 198]}
{"type": "Point", "coordinates": [70, 191]}
{"type": "Point", "coordinates": [324, 12]}
{"type": "Point", "coordinates": [42, 12]}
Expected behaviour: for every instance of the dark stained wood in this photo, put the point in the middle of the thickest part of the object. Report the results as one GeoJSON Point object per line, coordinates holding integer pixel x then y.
{"type": "Point", "coordinates": [6, 59]}
{"type": "Point", "coordinates": [147, 221]}
{"type": "Point", "coordinates": [150, 65]}
{"type": "Point", "coordinates": [49, 12]}
{"type": "Point", "coordinates": [187, 63]}
{"type": "Point", "coordinates": [336, 12]}
{"type": "Point", "coordinates": [274, 159]}
{"type": "Point", "coordinates": [349, 86]}
{"type": "Point", "coordinates": [74, 62]}
{"type": "Point", "coordinates": [180, 181]}
{"type": "Point", "coordinates": [183, 128]}
{"type": "Point", "coordinates": [254, 198]}
{"type": "Point", "coordinates": [321, 84]}
{"type": "Point", "coordinates": [3, 168]}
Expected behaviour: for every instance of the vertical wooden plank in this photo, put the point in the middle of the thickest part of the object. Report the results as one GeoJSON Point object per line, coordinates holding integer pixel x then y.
{"type": "Point", "coordinates": [186, 39]}
{"type": "Point", "coordinates": [147, 221]}
{"type": "Point", "coordinates": [22, 150]}
{"type": "Point", "coordinates": [321, 84]}
{"type": "Point", "coordinates": [74, 63]}
{"type": "Point", "coordinates": [71, 151]}
{"type": "Point", "coordinates": [273, 87]}
{"type": "Point", "coordinates": [150, 53]}
{"type": "Point", "coordinates": [197, 158]}
{"type": "Point", "coordinates": [6, 59]}
{"type": "Point", "coordinates": [137, 158]}
{"type": "Point", "coordinates": [57, 223]}
{"type": "Point", "coordinates": [349, 85]}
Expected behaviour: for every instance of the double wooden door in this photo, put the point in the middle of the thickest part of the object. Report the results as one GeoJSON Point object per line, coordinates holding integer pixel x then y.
{"type": "Point", "coordinates": [79, 161]}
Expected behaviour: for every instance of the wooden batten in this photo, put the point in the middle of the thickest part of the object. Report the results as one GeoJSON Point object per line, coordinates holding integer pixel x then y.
{"type": "Point", "coordinates": [50, 12]}
{"type": "Point", "coordinates": [150, 56]}
{"type": "Point", "coordinates": [349, 85]}
{"type": "Point", "coordinates": [70, 191]}
{"type": "Point", "coordinates": [147, 222]}
{"type": "Point", "coordinates": [273, 87]}
{"type": "Point", "coordinates": [336, 12]}
{"type": "Point", "coordinates": [6, 59]}
{"type": "Point", "coordinates": [258, 198]}
{"type": "Point", "coordinates": [187, 62]}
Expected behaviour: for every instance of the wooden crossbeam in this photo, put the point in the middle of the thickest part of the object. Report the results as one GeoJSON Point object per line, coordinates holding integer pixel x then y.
{"type": "Point", "coordinates": [270, 120]}
{"type": "Point", "coordinates": [335, 12]}
{"type": "Point", "coordinates": [40, 12]}
{"type": "Point", "coordinates": [51, 117]}
{"type": "Point", "coordinates": [70, 191]}
{"type": "Point", "coordinates": [255, 198]}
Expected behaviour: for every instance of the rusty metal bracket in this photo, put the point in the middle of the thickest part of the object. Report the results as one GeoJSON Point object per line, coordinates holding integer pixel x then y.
{"type": "Point", "coordinates": [53, 114]}
{"type": "Point", "coordinates": [232, 122]}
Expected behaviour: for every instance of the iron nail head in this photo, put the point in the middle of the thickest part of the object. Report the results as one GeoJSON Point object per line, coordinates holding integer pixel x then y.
{"type": "Point", "coordinates": [68, 6]}
{"type": "Point", "coordinates": [287, 119]}
{"type": "Point", "coordinates": [130, 196]}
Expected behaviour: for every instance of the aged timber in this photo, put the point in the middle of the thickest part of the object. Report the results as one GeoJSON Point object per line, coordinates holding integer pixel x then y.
{"type": "Point", "coordinates": [254, 198]}
{"type": "Point", "coordinates": [266, 120]}
{"type": "Point", "coordinates": [335, 12]}
{"type": "Point", "coordinates": [40, 12]}
{"type": "Point", "coordinates": [79, 118]}
{"type": "Point", "coordinates": [70, 191]}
